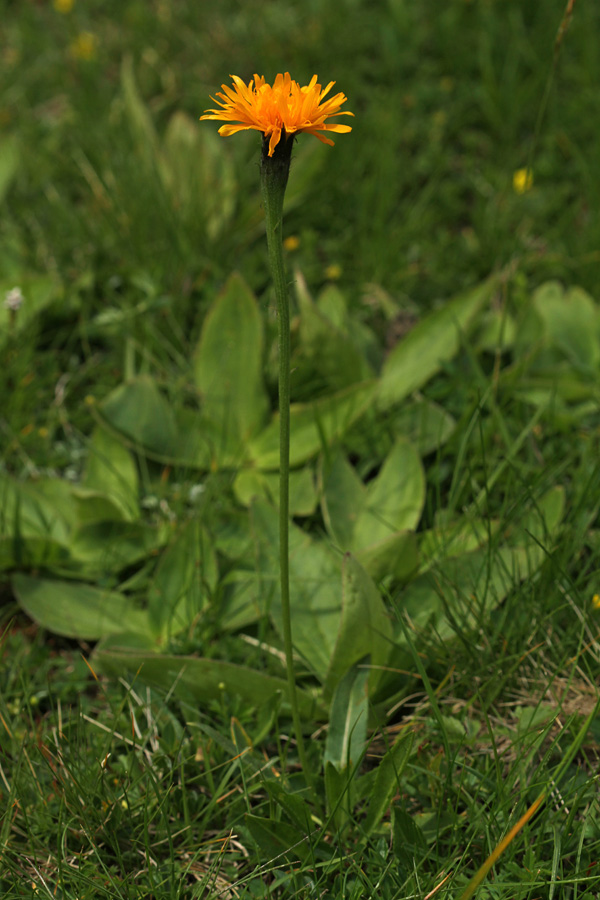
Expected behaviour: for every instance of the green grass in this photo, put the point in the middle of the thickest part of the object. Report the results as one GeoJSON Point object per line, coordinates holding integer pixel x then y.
{"type": "Point", "coordinates": [122, 219]}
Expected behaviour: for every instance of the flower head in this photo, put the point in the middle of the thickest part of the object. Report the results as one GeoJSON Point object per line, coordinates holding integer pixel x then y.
{"type": "Point", "coordinates": [285, 108]}
{"type": "Point", "coordinates": [84, 46]}
{"type": "Point", "coordinates": [13, 299]}
{"type": "Point", "coordinates": [522, 181]}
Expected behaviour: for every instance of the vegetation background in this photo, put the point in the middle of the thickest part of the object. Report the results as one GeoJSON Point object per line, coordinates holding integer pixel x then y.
{"type": "Point", "coordinates": [122, 220]}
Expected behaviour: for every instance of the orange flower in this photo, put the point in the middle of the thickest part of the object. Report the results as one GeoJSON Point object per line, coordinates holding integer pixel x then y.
{"type": "Point", "coordinates": [285, 108]}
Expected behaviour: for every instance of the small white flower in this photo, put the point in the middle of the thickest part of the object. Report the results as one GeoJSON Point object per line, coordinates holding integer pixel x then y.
{"type": "Point", "coordinates": [195, 493]}
{"type": "Point", "coordinates": [14, 299]}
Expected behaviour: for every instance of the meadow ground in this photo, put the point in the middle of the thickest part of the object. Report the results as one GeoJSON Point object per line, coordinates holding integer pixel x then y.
{"type": "Point", "coordinates": [444, 262]}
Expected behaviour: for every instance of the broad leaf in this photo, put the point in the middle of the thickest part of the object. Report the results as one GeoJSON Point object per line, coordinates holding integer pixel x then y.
{"type": "Point", "coordinates": [348, 719]}
{"type": "Point", "coordinates": [425, 424]}
{"type": "Point", "coordinates": [105, 548]}
{"type": "Point", "coordinates": [326, 352]}
{"type": "Point", "coordinates": [364, 627]}
{"type": "Point", "coordinates": [278, 839]}
{"type": "Point", "coordinates": [315, 594]}
{"type": "Point", "coordinates": [228, 367]}
{"type": "Point", "coordinates": [456, 593]}
{"type": "Point", "coordinates": [375, 521]}
{"type": "Point", "coordinates": [572, 321]}
{"type": "Point", "coordinates": [78, 610]}
{"type": "Point", "coordinates": [111, 472]}
{"type": "Point", "coordinates": [139, 412]}
{"type": "Point", "coordinates": [395, 497]}
{"type": "Point", "coordinates": [429, 345]}
{"type": "Point", "coordinates": [201, 679]}
{"type": "Point", "coordinates": [396, 556]}
{"type": "Point", "coordinates": [185, 575]}
{"type": "Point", "coordinates": [387, 780]}
{"type": "Point", "coordinates": [250, 483]}
{"type": "Point", "coordinates": [343, 499]}
{"type": "Point", "coordinates": [312, 426]}
{"type": "Point", "coordinates": [10, 159]}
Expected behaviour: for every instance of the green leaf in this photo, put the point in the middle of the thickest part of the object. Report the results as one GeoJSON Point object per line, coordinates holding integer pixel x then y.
{"type": "Point", "coordinates": [250, 483]}
{"type": "Point", "coordinates": [94, 507]}
{"type": "Point", "coordinates": [430, 344]}
{"type": "Point", "coordinates": [326, 351]}
{"type": "Point", "coordinates": [395, 497]}
{"type": "Point", "coordinates": [185, 575]}
{"type": "Point", "coordinates": [453, 595]}
{"type": "Point", "coordinates": [111, 471]}
{"type": "Point", "coordinates": [295, 807]}
{"type": "Point", "coordinates": [10, 159]}
{"type": "Point", "coordinates": [228, 368]}
{"type": "Point", "coordinates": [387, 780]}
{"type": "Point", "coordinates": [140, 122]}
{"type": "Point", "coordinates": [202, 679]}
{"type": "Point", "coordinates": [498, 331]}
{"type": "Point", "coordinates": [43, 510]}
{"type": "Point", "coordinates": [199, 175]}
{"type": "Point", "coordinates": [77, 610]}
{"type": "Point", "coordinates": [312, 426]}
{"type": "Point", "coordinates": [425, 424]}
{"type": "Point", "coordinates": [407, 837]}
{"type": "Point", "coordinates": [139, 412]}
{"type": "Point", "coordinates": [105, 548]}
{"type": "Point", "coordinates": [278, 840]}
{"type": "Point", "coordinates": [315, 595]}
{"type": "Point", "coordinates": [348, 719]}
{"type": "Point", "coordinates": [396, 556]}
{"type": "Point", "coordinates": [364, 626]}
{"type": "Point", "coordinates": [572, 322]}
{"type": "Point", "coordinates": [32, 553]}
{"type": "Point", "coordinates": [39, 292]}
{"type": "Point", "coordinates": [375, 521]}
{"type": "Point", "coordinates": [337, 788]}
{"type": "Point", "coordinates": [455, 538]}
{"type": "Point", "coordinates": [343, 498]}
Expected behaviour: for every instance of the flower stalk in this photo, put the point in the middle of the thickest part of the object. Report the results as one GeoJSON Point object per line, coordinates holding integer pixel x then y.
{"type": "Point", "coordinates": [280, 112]}
{"type": "Point", "coordinates": [274, 171]}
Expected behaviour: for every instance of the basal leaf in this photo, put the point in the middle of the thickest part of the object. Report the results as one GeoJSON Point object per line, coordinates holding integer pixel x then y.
{"type": "Point", "coordinates": [185, 575]}
{"type": "Point", "coordinates": [111, 471]}
{"type": "Point", "coordinates": [343, 497]}
{"type": "Point", "coordinates": [364, 626]}
{"type": "Point", "coordinates": [387, 780]}
{"type": "Point", "coordinates": [572, 321]}
{"type": "Point", "coordinates": [78, 610]}
{"type": "Point", "coordinates": [312, 426]}
{"type": "Point", "coordinates": [395, 497]}
{"type": "Point", "coordinates": [348, 719]}
{"type": "Point", "coordinates": [250, 483]}
{"type": "Point", "coordinates": [315, 594]}
{"type": "Point", "coordinates": [429, 345]}
{"type": "Point", "coordinates": [278, 839]}
{"type": "Point", "coordinates": [396, 555]}
{"type": "Point", "coordinates": [198, 678]}
{"type": "Point", "coordinates": [139, 412]}
{"type": "Point", "coordinates": [228, 368]}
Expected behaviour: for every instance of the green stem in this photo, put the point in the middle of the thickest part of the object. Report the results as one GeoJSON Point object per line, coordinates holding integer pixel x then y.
{"type": "Point", "coordinates": [274, 171]}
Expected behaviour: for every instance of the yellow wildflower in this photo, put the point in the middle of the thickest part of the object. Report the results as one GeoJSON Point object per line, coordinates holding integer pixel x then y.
{"type": "Point", "coordinates": [522, 181]}
{"type": "Point", "coordinates": [84, 46]}
{"type": "Point", "coordinates": [63, 6]}
{"type": "Point", "coordinates": [596, 601]}
{"type": "Point", "coordinates": [333, 272]}
{"type": "Point", "coordinates": [292, 242]}
{"type": "Point", "coordinates": [285, 108]}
